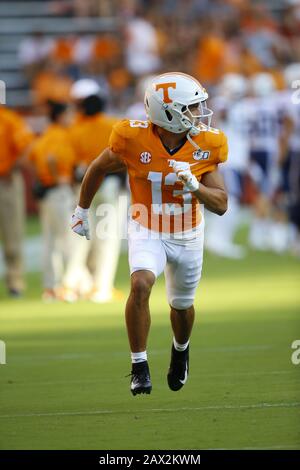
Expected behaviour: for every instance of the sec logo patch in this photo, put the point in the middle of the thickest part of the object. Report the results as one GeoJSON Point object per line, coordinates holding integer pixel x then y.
{"type": "Point", "coordinates": [145, 157]}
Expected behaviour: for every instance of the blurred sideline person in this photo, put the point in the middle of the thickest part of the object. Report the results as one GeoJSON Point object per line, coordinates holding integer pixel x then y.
{"type": "Point", "coordinates": [232, 117]}
{"type": "Point", "coordinates": [294, 203]}
{"type": "Point", "coordinates": [90, 135]}
{"type": "Point", "coordinates": [267, 146]}
{"type": "Point", "coordinates": [172, 162]}
{"type": "Point", "coordinates": [15, 139]}
{"type": "Point", "coordinates": [290, 174]}
{"type": "Point", "coordinates": [142, 47]}
{"type": "Point", "coordinates": [52, 158]}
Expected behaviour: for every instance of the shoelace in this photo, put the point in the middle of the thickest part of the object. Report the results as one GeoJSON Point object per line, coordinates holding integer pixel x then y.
{"type": "Point", "coordinates": [142, 375]}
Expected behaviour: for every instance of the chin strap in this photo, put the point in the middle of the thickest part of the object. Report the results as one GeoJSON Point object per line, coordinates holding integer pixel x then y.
{"type": "Point", "coordinates": [196, 131]}
{"type": "Point", "coordinates": [191, 141]}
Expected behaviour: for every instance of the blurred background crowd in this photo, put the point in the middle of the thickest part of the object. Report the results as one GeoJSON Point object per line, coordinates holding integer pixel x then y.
{"type": "Point", "coordinates": [204, 38]}
{"type": "Point", "coordinates": [71, 68]}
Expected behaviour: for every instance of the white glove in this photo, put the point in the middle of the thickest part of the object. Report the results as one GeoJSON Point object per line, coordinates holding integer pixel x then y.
{"type": "Point", "coordinates": [80, 222]}
{"type": "Point", "coordinates": [183, 171]}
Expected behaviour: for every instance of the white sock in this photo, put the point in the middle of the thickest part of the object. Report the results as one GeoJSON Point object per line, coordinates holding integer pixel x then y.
{"type": "Point", "coordinates": [180, 347]}
{"type": "Point", "coordinates": [138, 357]}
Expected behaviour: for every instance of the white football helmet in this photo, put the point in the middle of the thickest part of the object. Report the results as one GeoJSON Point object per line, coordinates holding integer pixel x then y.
{"type": "Point", "coordinates": [263, 84]}
{"type": "Point", "coordinates": [292, 73]}
{"type": "Point", "coordinates": [233, 86]}
{"type": "Point", "coordinates": [170, 100]}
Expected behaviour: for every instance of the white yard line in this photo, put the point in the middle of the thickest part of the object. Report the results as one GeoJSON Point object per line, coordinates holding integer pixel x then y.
{"type": "Point", "coordinates": [154, 410]}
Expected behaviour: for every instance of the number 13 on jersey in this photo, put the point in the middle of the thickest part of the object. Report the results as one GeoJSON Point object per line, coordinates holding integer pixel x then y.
{"type": "Point", "coordinates": [158, 207]}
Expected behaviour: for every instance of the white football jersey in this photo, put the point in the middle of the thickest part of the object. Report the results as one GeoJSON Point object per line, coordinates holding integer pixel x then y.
{"type": "Point", "coordinates": [234, 123]}
{"type": "Point", "coordinates": [263, 114]}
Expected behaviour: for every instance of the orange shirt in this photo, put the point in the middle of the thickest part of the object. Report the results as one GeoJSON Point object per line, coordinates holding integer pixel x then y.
{"type": "Point", "coordinates": [119, 78]}
{"type": "Point", "coordinates": [105, 48]}
{"type": "Point", "coordinates": [210, 59]}
{"type": "Point", "coordinates": [159, 200]}
{"type": "Point", "coordinates": [90, 136]}
{"type": "Point", "coordinates": [55, 143]}
{"type": "Point", "coordinates": [51, 85]}
{"type": "Point", "coordinates": [63, 51]}
{"type": "Point", "coordinates": [15, 136]}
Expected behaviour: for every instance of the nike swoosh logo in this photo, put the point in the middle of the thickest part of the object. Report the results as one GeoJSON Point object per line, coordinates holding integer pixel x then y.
{"type": "Point", "coordinates": [185, 376]}
{"type": "Point", "coordinates": [79, 222]}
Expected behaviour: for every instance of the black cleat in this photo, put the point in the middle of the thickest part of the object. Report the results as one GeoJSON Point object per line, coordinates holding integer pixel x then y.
{"type": "Point", "coordinates": [140, 378]}
{"type": "Point", "coordinates": [179, 369]}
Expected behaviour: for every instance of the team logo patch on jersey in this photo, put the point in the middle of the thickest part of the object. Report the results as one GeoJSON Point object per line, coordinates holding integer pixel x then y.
{"type": "Point", "coordinates": [201, 154]}
{"type": "Point", "coordinates": [145, 157]}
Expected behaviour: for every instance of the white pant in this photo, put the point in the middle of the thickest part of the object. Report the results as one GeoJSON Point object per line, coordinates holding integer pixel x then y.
{"type": "Point", "coordinates": [55, 212]}
{"type": "Point", "coordinates": [181, 262]}
{"type": "Point", "coordinates": [12, 216]}
{"type": "Point", "coordinates": [101, 255]}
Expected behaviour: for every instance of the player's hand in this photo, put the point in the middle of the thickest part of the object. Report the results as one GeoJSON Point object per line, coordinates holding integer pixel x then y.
{"type": "Point", "coordinates": [80, 222]}
{"type": "Point", "coordinates": [183, 171]}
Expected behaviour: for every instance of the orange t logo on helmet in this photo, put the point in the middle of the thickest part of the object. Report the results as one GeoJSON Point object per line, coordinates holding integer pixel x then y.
{"type": "Point", "coordinates": [165, 87]}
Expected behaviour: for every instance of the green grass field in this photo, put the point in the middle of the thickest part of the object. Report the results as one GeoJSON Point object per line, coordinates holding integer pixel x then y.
{"type": "Point", "coordinates": [64, 384]}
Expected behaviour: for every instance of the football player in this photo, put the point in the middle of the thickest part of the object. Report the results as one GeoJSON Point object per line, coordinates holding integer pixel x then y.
{"type": "Point", "coordinates": [172, 162]}
{"type": "Point", "coordinates": [230, 107]}
{"type": "Point", "coordinates": [16, 139]}
{"type": "Point", "coordinates": [269, 134]}
{"type": "Point", "coordinates": [266, 141]}
{"type": "Point", "coordinates": [52, 159]}
{"type": "Point", "coordinates": [289, 100]}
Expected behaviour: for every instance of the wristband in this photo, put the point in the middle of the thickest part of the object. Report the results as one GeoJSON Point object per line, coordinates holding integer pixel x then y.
{"type": "Point", "coordinates": [82, 213]}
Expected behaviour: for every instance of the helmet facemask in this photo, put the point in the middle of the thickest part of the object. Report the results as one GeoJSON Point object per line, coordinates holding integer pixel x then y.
{"type": "Point", "coordinates": [193, 117]}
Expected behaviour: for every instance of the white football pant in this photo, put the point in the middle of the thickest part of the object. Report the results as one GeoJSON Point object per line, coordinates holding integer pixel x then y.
{"type": "Point", "coordinates": [181, 261]}
{"type": "Point", "coordinates": [55, 212]}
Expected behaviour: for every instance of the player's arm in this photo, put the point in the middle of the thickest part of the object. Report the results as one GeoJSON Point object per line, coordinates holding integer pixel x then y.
{"type": "Point", "coordinates": [107, 162]}
{"type": "Point", "coordinates": [212, 192]}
